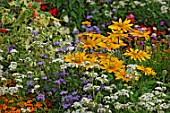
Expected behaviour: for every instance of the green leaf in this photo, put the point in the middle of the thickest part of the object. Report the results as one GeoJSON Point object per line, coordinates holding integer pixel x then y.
{"type": "Point", "coordinates": [73, 14]}
{"type": "Point", "coordinates": [36, 5]}
{"type": "Point", "coordinates": [58, 4]}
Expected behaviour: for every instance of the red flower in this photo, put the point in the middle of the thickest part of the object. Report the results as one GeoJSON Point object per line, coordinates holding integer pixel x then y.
{"type": "Point", "coordinates": [163, 32]}
{"type": "Point", "coordinates": [149, 29]}
{"type": "Point", "coordinates": [39, 1]}
{"type": "Point", "coordinates": [3, 30]}
{"type": "Point", "coordinates": [53, 11]}
{"type": "Point", "coordinates": [43, 7]}
{"type": "Point", "coordinates": [131, 17]}
{"type": "Point", "coordinates": [34, 14]}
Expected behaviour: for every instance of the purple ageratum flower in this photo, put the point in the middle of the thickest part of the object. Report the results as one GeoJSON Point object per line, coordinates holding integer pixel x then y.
{"type": "Point", "coordinates": [155, 37]}
{"type": "Point", "coordinates": [63, 92]}
{"type": "Point", "coordinates": [46, 56]}
{"type": "Point", "coordinates": [9, 48]}
{"type": "Point", "coordinates": [97, 29]}
{"type": "Point", "coordinates": [89, 96]}
{"type": "Point", "coordinates": [103, 25]}
{"type": "Point", "coordinates": [60, 81]}
{"type": "Point", "coordinates": [54, 90]}
{"type": "Point", "coordinates": [94, 11]}
{"type": "Point", "coordinates": [69, 99]}
{"type": "Point", "coordinates": [62, 73]}
{"type": "Point", "coordinates": [62, 49]}
{"type": "Point", "coordinates": [161, 23]}
{"type": "Point", "coordinates": [40, 96]}
{"type": "Point", "coordinates": [40, 63]}
{"type": "Point", "coordinates": [104, 50]}
{"type": "Point", "coordinates": [89, 16]}
{"type": "Point", "coordinates": [50, 93]}
{"type": "Point", "coordinates": [29, 90]}
{"type": "Point", "coordinates": [83, 26]}
{"type": "Point", "coordinates": [29, 76]}
{"type": "Point", "coordinates": [0, 24]}
{"type": "Point", "coordinates": [142, 43]}
{"type": "Point", "coordinates": [46, 87]}
{"type": "Point", "coordinates": [34, 32]}
{"type": "Point", "coordinates": [131, 15]}
{"type": "Point", "coordinates": [4, 73]}
{"type": "Point", "coordinates": [56, 43]}
{"type": "Point", "coordinates": [89, 29]}
{"type": "Point", "coordinates": [34, 39]}
{"type": "Point", "coordinates": [77, 97]}
{"type": "Point", "coordinates": [65, 106]}
{"type": "Point", "coordinates": [74, 93]}
{"type": "Point", "coordinates": [75, 32]}
{"type": "Point", "coordinates": [44, 78]}
{"type": "Point", "coordinates": [113, 10]}
{"type": "Point", "coordinates": [57, 81]}
{"type": "Point", "coordinates": [74, 75]}
{"type": "Point", "coordinates": [30, 83]}
{"type": "Point", "coordinates": [81, 78]}
{"type": "Point", "coordinates": [108, 1]}
{"type": "Point", "coordinates": [115, 18]}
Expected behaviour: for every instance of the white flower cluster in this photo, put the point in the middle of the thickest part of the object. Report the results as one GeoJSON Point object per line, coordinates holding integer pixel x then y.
{"type": "Point", "coordinates": [131, 70]}
{"type": "Point", "coordinates": [8, 90]}
{"type": "Point", "coordinates": [91, 74]}
{"type": "Point", "coordinates": [115, 96]}
{"type": "Point", "coordinates": [1, 67]}
{"type": "Point", "coordinates": [119, 105]}
{"type": "Point", "coordinates": [82, 106]}
{"type": "Point", "coordinates": [103, 79]}
{"type": "Point", "coordinates": [154, 101]}
{"type": "Point", "coordinates": [13, 65]}
{"type": "Point", "coordinates": [136, 4]}
{"type": "Point", "coordinates": [1, 58]}
{"type": "Point", "coordinates": [91, 2]}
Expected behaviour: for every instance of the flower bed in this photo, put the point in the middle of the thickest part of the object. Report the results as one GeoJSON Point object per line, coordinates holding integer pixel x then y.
{"type": "Point", "coordinates": [95, 59]}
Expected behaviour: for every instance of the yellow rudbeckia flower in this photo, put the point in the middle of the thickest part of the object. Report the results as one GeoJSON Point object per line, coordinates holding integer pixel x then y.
{"type": "Point", "coordinates": [137, 54]}
{"type": "Point", "coordinates": [121, 26]}
{"type": "Point", "coordinates": [147, 71]}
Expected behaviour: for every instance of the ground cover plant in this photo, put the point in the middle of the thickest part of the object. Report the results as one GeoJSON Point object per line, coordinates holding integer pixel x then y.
{"type": "Point", "coordinates": [91, 58]}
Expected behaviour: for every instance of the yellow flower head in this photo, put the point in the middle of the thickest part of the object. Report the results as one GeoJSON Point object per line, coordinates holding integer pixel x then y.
{"type": "Point", "coordinates": [91, 58]}
{"type": "Point", "coordinates": [76, 58]}
{"type": "Point", "coordinates": [122, 75]}
{"type": "Point", "coordinates": [137, 55]}
{"type": "Point", "coordinates": [144, 34]}
{"type": "Point", "coordinates": [86, 23]}
{"type": "Point", "coordinates": [147, 71]}
{"type": "Point", "coordinates": [109, 44]}
{"type": "Point", "coordinates": [112, 64]}
{"type": "Point", "coordinates": [90, 40]}
{"type": "Point", "coordinates": [121, 26]}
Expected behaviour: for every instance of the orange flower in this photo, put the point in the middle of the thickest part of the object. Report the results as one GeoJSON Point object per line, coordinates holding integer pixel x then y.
{"type": "Point", "coordinates": [18, 111]}
{"type": "Point", "coordinates": [27, 104]}
{"type": "Point", "coordinates": [45, 108]}
{"type": "Point", "coordinates": [11, 101]}
{"type": "Point", "coordinates": [11, 108]}
{"type": "Point", "coordinates": [29, 4]}
{"type": "Point", "coordinates": [29, 101]}
{"type": "Point", "coordinates": [38, 105]}
{"type": "Point", "coordinates": [5, 99]}
{"type": "Point", "coordinates": [11, 111]}
{"type": "Point", "coordinates": [20, 104]}
{"type": "Point", "coordinates": [31, 109]}
{"type": "Point", "coordinates": [3, 106]}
